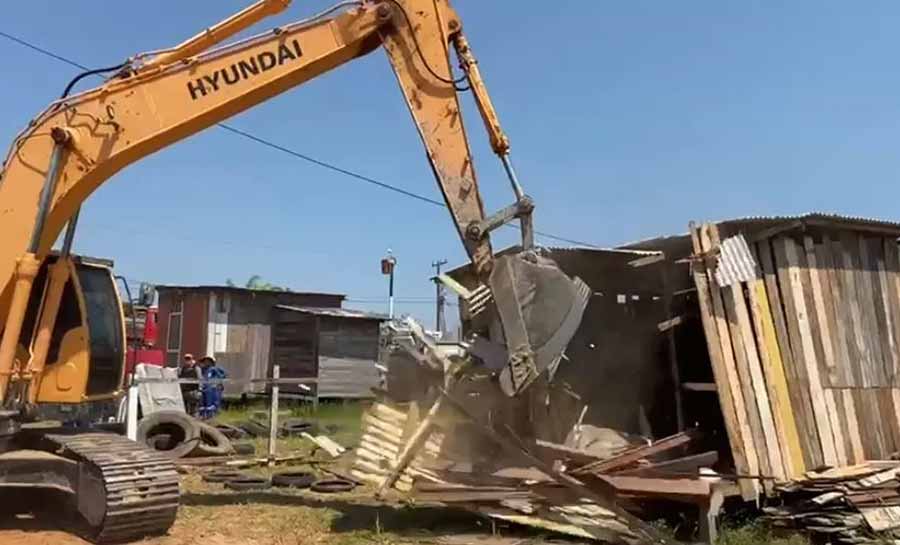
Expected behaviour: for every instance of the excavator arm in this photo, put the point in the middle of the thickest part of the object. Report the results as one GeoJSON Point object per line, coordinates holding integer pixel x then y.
{"type": "Point", "coordinates": [154, 101]}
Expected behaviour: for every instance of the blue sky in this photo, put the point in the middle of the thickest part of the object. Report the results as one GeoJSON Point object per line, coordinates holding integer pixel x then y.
{"type": "Point", "coordinates": [627, 119]}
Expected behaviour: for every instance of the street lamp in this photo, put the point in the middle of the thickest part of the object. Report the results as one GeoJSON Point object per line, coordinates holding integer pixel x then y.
{"type": "Point", "coordinates": [387, 268]}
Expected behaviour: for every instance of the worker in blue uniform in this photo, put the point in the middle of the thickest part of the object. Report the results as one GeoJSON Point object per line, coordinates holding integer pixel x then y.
{"type": "Point", "coordinates": [211, 392]}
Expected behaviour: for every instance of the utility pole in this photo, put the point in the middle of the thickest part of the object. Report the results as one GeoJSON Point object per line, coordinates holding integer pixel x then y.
{"type": "Point", "coordinates": [387, 268]}
{"type": "Point", "coordinates": [440, 324]}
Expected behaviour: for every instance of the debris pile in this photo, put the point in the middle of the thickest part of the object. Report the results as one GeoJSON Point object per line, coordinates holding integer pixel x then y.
{"type": "Point", "coordinates": [451, 442]}
{"type": "Point", "coordinates": [854, 504]}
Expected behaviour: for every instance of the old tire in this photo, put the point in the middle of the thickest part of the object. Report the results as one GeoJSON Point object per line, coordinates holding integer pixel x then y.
{"type": "Point", "coordinates": [331, 486]}
{"type": "Point", "coordinates": [183, 432]}
{"type": "Point", "coordinates": [295, 427]}
{"type": "Point", "coordinates": [212, 442]}
{"type": "Point", "coordinates": [248, 483]}
{"type": "Point", "coordinates": [255, 429]}
{"type": "Point", "coordinates": [222, 476]}
{"type": "Point", "coordinates": [162, 441]}
{"type": "Point", "coordinates": [244, 449]}
{"type": "Point", "coordinates": [231, 432]}
{"type": "Point", "coordinates": [293, 479]}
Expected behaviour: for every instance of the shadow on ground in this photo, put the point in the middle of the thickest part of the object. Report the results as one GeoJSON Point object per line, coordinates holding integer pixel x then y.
{"type": "Point", "coordinates": [27, 511]}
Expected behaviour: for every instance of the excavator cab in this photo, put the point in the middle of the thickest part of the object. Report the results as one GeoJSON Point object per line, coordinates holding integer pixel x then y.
{"type": "Point", "coordinates": [86, 356]}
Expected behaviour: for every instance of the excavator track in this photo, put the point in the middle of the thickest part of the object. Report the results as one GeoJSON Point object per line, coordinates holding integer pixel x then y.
{"type": "Point", "coordinates": [140, 486]}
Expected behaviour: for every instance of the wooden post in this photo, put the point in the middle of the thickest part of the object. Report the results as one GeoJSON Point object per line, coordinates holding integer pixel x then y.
{"type": "Point", "coordinates": [673, 355]}
{"type": "Point", "coordinates": [131, 412]}
{"type": "Point", "coordinates": [273, 414]}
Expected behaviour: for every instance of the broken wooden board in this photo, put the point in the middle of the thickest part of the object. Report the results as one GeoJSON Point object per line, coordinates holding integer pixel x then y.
{"type": "Point", "coordinates": [325, 443]}
{"type": "Point", "coordinates": [632, 456]}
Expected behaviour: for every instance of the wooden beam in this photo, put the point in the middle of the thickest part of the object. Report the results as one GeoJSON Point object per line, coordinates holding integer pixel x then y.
{"type": "Point", "coordinates": [647, 260]}
{"type": "Point", "coordinates": [776, 381]}
{"type": "Point", "coordinates": [666, 325]}
{"type": "Point", "coordinates": [823, 325]}
{"type": "Point", "coordinates": [797, 375]}
{"type": "Point", "coordinates": [814, 382]}
{"type": "Point", "coordinates": [751, 373]}
{"type": "Point", "coordinates": [686, 464]}
{"type": "Point", "coordinates": [732, 349]}
{"type": "Point", "coordinates": [700, 386]}
{"type": "Point", "coordinates": [638, 453]}
{"type": "Point", "coordinates": [717, 348]}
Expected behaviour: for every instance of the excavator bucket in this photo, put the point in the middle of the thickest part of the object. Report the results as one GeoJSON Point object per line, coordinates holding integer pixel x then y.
{"type": "Point", "coordinates": [540, 308]}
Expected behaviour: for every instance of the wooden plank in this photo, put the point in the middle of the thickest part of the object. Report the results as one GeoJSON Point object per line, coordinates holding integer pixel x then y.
{"type": "Point", "coordinates": [866, 403]}
{"type": "Point", "coordinates": [892, 266]}
{"type": "Point", "coordinates": [686, 465]}
{"type": "Point", "coordinates": [666, 325]}
{"type": "Point", "coordinates": [794, 307]}
{"type": "Point", "coordinates": [847, 321]}
{"type": "Point", "coordinates": [869, 249]}
{"type": "Point", "coordinates": [835, 315]}
{"type": "Point", "coordinates": [775, 381]}
{"type": "Point", "coordinates": [798, 402]}
{"type": "Point", "coordinates": [888, 418]}
{"type": "Point", "coordinates": [812, 349]}
{"type": "Point", "coordinates": [660, 488]}
{"type": "Point", "coordinates": [716, 345]}
{"type": "Point", "coordinates": [869, 308]}
{"type": "Point", "coordinates": [700, 386]}
{"type": "Point", "coordinates": [856, 444]}
{"type": "Point", "coordinates": [822, 330]}
{"type": "Point", "coordinates": [878, 249]}
{"type": "Point", "coordinates": [635, 454]}
{"type": "Point", "coordinates": [742, 389]}
{"type": "Point", "coordinates": [861, 353]}
{"type": "Point", "coordinates": [750, 372]}
{"type": "Point", "coordinates": [672, 348]}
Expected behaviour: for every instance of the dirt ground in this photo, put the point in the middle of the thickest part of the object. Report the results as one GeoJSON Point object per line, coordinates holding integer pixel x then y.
{"type": "Point", "coordinates": [211, 515]}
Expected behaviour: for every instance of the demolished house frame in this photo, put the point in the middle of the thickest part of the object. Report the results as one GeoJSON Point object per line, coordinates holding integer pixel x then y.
{"type": "Point", "coordinates": [747, 353]}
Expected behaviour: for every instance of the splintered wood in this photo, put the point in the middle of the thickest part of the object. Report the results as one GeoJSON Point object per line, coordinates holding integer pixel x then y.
{"type": "Point", "coordinates": [388, 429]}
{"type": "Point", "coordinates": [804, 346]}
{"type": "Point", "coordinates": [855, 504]}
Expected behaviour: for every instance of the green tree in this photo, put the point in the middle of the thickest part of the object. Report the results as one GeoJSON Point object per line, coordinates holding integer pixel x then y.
{"type": "Point", "coordinates": [256, 282]}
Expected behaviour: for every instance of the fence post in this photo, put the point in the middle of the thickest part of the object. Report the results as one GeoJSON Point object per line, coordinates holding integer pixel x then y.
{"type": "Point", "coordinates": [273, 414]}
{"type": "Point", "coordinates": [131, 412]}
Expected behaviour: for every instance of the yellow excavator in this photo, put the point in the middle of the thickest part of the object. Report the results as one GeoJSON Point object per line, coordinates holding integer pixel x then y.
{"type": "Point", "coordinates": [63, 345]}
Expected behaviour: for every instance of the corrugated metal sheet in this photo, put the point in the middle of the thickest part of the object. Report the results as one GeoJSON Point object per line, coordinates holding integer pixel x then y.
{"type": "Point", "coordinates": [736, 263]}
{"type": "Point", "coordinates": [336, 312]}
{"type": "Point", "coordinates": [206, 287]}
{"type": "Point", "coordinates": [818, 217]}
{"type": "Point", "coordinates": [674, 242]}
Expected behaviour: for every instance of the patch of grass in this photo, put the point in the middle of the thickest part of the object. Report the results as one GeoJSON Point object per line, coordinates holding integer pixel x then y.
{"type": "Point", "coordinates": [339, 420]}
{"type": "Point", "coordinates": [757, 533]}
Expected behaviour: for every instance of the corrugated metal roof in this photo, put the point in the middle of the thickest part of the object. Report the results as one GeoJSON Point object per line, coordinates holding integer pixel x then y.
{"type": "Point", "coordinates": [679, 243]}
{"type": "Point", "coordinates": [819, 217]}
{"type": "Point", "coordinates": [244, 290]}
{"type": "Point", "coordinates": [626, 251]}
{"type": "Point", "coordinates": [336, 312]}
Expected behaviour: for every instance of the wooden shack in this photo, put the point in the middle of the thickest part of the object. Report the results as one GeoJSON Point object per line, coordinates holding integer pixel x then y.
{"type": "Point", "coordinates": [778, 338]}
{"type": "Point", "coordinates": [803, 343]}
{"type": "Point", "coordinates": [338, 347]}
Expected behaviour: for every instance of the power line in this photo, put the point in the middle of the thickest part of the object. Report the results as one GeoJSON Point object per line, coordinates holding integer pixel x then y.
{"type": "Point", "coordinates": [297, 154]}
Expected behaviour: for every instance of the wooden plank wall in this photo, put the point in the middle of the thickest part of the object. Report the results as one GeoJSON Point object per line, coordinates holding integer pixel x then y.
{"type": "Point", "coordinates": [806, 356]}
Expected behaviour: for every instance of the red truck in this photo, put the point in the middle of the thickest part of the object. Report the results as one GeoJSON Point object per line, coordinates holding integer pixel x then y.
{"type": "Point", "coordinates": [141, 325]}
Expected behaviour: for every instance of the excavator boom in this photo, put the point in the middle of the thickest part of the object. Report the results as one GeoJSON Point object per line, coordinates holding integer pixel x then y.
{"type": "Point", "coordinates": [48, 313]}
